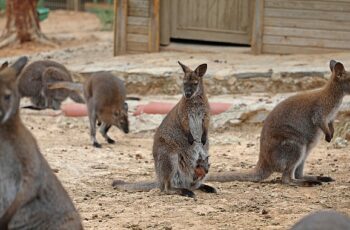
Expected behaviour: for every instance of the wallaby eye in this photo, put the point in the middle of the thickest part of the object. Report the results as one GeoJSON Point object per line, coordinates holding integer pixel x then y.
{"type": "Point", "coordinates": [7, 97]}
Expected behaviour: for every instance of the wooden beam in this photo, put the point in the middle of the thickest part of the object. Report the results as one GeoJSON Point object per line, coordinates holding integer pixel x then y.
{"type": "Point", "coordinates": [153, 39]}
{"type": "Point", "coordinates": [258, 27]}
{"type": "Point", "coordinates": [120, 23]}
{"type": "Point", "coordinates": [165, 23]}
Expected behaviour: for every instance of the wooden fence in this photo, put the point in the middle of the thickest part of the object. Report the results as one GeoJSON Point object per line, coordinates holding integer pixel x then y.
{"type": "Point", "coordinates": [136, 26]}
{"type": "Point", "coordinates": [301, 26]}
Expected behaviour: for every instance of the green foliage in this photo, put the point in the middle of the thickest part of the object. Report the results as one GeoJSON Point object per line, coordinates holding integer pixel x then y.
{"type": "Point", "coordinates": [106, 17]}
{"type": "Point", "coordinates": [2, 5]}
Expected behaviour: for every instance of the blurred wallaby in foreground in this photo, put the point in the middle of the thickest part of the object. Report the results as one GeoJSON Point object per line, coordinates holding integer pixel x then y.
{"type": "Point", "coordinates": [36, 76]}
{"type": "Point", "coordinates": [31, 196]}
{"type": "Point", "coordinates": [323, 220]}
{"type": "Point", "coordinates": [180, 147]}
{"type": "Point", "coordinates": [292, 129]}
{"type": "Point", "coordinates": [105, 97]}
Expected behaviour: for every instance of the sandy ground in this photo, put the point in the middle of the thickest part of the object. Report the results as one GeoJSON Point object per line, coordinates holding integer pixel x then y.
{"type": "Point", "coordinates": [87, 173]}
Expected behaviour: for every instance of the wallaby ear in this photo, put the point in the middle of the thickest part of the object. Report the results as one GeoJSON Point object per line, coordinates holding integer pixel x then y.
{"type": "Point", "coordinates": [338, 69]}
{"type": "Point", "coordinates": [332, 64]}
{"type": "Point", "coordinates": [201, 69]}
{"type": "Point", "coordinates": [4, 65]}
{"type": "Point", "coordinates": [184, 67]}
{"type": "Point", "coordinates": [19, 64]}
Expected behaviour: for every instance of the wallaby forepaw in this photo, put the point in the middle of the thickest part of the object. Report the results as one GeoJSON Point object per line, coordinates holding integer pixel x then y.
{"type": "Point", "coordinates": [110, 141]}
{"type": "Point", "coordinates": [190, 139]}
{"type": "Point", "coordinates": [96, 145]}
{"type": "Point", "coordinates": [325, 178]}
{"type": "Point", "coordinates": [328, 137]}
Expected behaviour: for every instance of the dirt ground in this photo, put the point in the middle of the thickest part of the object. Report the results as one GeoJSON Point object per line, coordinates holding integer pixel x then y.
{"type": "Point", "coordinates": [87, 172]}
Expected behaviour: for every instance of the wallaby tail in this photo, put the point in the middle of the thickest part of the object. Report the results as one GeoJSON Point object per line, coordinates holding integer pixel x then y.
{"type": "Point", "coordinates": [73, 86]}
{"type": "Point", "coordinates": [134, 187]}
{"type": "Point", "coordinates": [255, 175]}
{"type": "Point", "coordinates": [133, 98]}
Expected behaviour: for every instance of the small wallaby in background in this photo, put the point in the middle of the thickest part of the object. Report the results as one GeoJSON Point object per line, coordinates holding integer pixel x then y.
{"type": "Point", "coordinates": [323, 220]}
{"type": "Point", "coordinates": [292, 129]}
{"type": "Point", "coordinates": [34, 80]}
{"type": "Point", "coordinates": [180, 147]}
{"type": "Point", "coordinates": [105, 96]}
{"type": "Point", "coordinates": [31, 196]}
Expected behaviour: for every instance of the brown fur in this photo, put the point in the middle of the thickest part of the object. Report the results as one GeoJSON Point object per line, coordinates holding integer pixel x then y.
{"type": "Point", "coordinates": [323, 220]}
{"type": "Point", "coordinates": [181, 142]}
{"type": "Point", "coordinates": [34, 80]}
{"type": "Point", "coordinates": [31, 196]}
{"type": "Point", "coordinates": [292, 129]}
{"type": "Point", "coordinates": [105, 97]}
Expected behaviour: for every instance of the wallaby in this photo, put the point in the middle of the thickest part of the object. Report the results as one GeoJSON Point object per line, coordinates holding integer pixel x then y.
{"type": "Point", "coordinates": [292, 129]}
{"type": "Point", "coordinates": [323, 220]}
{"type": "Point", "coordinates": [31, 196]}
{"type": "Point", "coordinates": [35, 78]}
{"type": "Point", "coordinates": [180, 147]}
{"type": "Point", "coordinates": [105, 96]}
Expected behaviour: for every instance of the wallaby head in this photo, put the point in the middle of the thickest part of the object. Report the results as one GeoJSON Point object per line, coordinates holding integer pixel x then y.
{"type": "Point", "coordinates": [193, 80]}
{"type": "Point", "coordinates": [120, 118]}
{"type": "Point", "coordinates": [9, 95]}
{"type": "Point", "coordinates": [340, 76]}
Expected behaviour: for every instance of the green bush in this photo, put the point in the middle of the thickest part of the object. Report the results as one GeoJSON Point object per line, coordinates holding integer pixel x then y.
{"type": "Point", "coordinates": [106, 17]}
{"type": "Point", "coordinates": [2, 5]}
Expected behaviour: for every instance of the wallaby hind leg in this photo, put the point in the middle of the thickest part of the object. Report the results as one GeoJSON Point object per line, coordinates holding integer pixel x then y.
{"type": "Point", "coordinates": [92, 119]}
{"type": "Point", "coordinates": [299, 174]}
{"type": "Point", "coordinates": [103, 130]}
{"type": "Point", "coordinates": [207, 188]}
{"type": "Point", "coordinates": [294, 154]}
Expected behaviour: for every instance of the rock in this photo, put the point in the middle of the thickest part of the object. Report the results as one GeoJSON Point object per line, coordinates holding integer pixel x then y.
{"type": "Point", "coordinates": [340, 143]}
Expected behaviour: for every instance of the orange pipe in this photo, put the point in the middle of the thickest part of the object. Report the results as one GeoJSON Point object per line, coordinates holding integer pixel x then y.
{"type": "Point", "coordinates": [80, 110]}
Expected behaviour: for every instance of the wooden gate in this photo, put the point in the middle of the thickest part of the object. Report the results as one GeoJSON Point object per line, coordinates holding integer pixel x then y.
{"type": "Point", "coordinates": [208, 20]}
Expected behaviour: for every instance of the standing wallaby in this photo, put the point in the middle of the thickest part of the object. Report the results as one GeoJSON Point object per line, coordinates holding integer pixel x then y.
{"type": "Point", "coordinates": [292, 129]}
{"type": "Point", "coordinates": [31, 196]}
{"type": "Point", "coordinates": [323, 220]}
{"type": "Point", "coordinates": [35, 78]}
{"type": "Point", "coordinates": [180, 147]}
{"type": "Point", "coordinates": [105, 97]}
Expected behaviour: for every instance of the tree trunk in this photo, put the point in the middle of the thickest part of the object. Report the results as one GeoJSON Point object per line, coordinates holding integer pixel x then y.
{"type": "Point", "coordinates": [22, 23]}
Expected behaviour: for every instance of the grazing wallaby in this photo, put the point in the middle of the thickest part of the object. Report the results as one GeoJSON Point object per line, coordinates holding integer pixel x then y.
{"type": "Point", "coordinates": [105, 97]}
{"type": "Point", "coordinates": [292, 129]}
{"type": "Point", "coordinates": [35, 78]}
{"type": "Point", "coordinates": [31, 196]}
{"type": "Point", "coordinates": [323, 220]}
{"type": "Point", "coordinates": [180, 147]}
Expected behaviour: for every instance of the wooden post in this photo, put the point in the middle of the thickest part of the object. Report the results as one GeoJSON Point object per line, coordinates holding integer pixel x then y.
{"type": "Point", "coordinates": [258, 27]}
{"type": "Point", "coordinates": [165, 16]}
{"type": "Point", "coordinates": [120, 23]}
{"type": "Point", "coordinates": [153, 34]}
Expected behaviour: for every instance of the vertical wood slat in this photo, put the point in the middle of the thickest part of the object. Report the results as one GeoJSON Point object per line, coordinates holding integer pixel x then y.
{"type": "Point", "coordinates": [258, 27]}
{"type": "Point", "coordinates": [165, 26]}
{"type": "Point", "coordinates": [120, 31]}
{"type": "Point", "coordinates": [153, 39]}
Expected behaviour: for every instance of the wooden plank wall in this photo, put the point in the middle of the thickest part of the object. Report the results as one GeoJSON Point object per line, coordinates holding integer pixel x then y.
{"type": "Point", "coordinates": [301, 26]}
{"type": "Point", "coordinates": [136, 26]}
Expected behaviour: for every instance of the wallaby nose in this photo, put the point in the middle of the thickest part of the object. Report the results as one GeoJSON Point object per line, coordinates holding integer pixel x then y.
{"type": "Point", "coordinates": [188, 94]}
